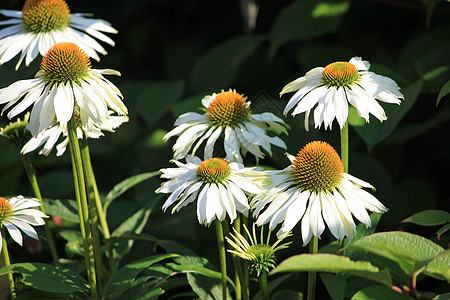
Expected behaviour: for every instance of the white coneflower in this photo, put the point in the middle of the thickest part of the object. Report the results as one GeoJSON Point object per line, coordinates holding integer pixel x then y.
{"type": "Point", "coordinates": [65, 81]}
{"type": "Point", "coordinates": [228, 113]}
{"type": "Point", "coordinates": [312, 189]}
{"type": "Point", "coordinates": [336, 85]}
{"type": "Point", "coordinates": [219, 187]}
{"type": "Point", "coordinates": [44, 23]}
{"type": "Point", "coordinates": [17, 214]}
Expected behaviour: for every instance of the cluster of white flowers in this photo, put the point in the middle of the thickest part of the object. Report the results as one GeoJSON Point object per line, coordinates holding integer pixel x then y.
{"type": "Point", "coordinates": [65, 88]}
{"type": "Point", "coordinates": [313, 189]}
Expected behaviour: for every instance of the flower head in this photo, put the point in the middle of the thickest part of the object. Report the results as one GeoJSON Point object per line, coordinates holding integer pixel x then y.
{"type": "Point", "coordinates": [16, 132]}
{"type": "Point", "coordinates": [49, 137]}
{"type": "Point", "coordinates": [64, 83]}
{"type": "Point", "coordinates": [312, 189]}
{"type": "Point", "coordinates": [220, 187]}
{"type": "Point", "coordinates": [43, 23]}
{"type": "Point", "coordinates": [261, 255]}
{"type": "Point", "coordinates": [228, 113]}
{"type": "Point", "coordinates": [17, 215]}
{"type": "Point", "coordinates": [336, 85]}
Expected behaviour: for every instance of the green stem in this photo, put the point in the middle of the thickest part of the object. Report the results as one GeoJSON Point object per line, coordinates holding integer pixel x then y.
{"type": "Point", "coordinates": [92, 187]}
{"type": "Point", "coordinates": [344, 146]}
{"type": "Point", "coordinates": [237, 227]}
{"type": "Point", "coordinates": [222, 257]}
{"type": "Point", "coordinates": [7, 262]}
{"type": "Point", "coordinates": [32, 178]}
{"type": "Point", "coordinates": [311, 289]}
{"type": "Point", "coordinates": [237, 265]}
{"type": "Point", "coordinates": [83, 211]}
{"type": "Point", "coordinates": [263, 284]}
{"type": "Point", "coordinates": [92, 194]}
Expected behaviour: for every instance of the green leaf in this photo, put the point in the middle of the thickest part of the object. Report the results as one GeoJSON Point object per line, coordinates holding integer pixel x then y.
{"type": "Point", "coordinates": [333, 264]}
{"type": "Point", "coordinates": [287, 295]}
{"type": "Point", "coordinates": [65, 209]}
{"type": "Point", "coordinates": [273, 285]}
{"type": "Point", "coordinates": [134, 225]}
{"type": "Point", "coordinates": [154, 101]}
{"type": "Point", "coordinates": [442, 230]}
{"type": "Point", "coordinates": [206, 288]}
{"type": "Point", "coordinates": [435, 64]}
{"type": "Point", "coordinates": [375, 132]}
{"type": "Point", "coordinates": [444, 91]}
{"type": "Point", "coordinates": [411, 252]}
{"type": "Point", "coordinates": [442, 297]}
{"type": "Point", "coordinates": [378, 292]}
{"type": "Point", "coordinates": [335, 285]}
{"type": "Point", "coordinates": [429, 218]}
{"type": "Point", "coordinates": [216, 69]}
{"type": "Point", "coordinates": [125, 185]}
{"type": "Point", "coordinates": [125, 276]}
{"type": "Point", "coordinates": [48, 278]}
{"type": "Point", "coordinates": [304, 20]}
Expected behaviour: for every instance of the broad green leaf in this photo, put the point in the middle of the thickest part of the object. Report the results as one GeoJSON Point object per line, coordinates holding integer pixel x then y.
{"type": "Point", "coordinates": [442, 297]}
{"type": "Point", "coordinates": [273, 285]}
{"type": "Point", "coordinates": [154, 101]}
{"type": "Point", "coordinates": [429, 218]}
{"type": "Point", "coordinates": [444, 91]}
{"type": "Point", "coordinates": [333, 264]}
{"type": "Point", "coordinates": [435, 65]}
{"type": "Point", "coordinates": [378, 292]}
{"type": "Point", "coordinates": [375, 132]}
{"type": "Point", "coordinates": [48, 278]}
{"type": "Point", "coordinates": [206, 288]}
{"type": "Point", "coordinates": [74, 243]}
{"type": "Point", "coordinates": [193, 268]}
{"type": "Point", "coordinates": [335, 285]}
{"type": "Point", "coordinates": [124, 277]}
{"type": "Point", "coordinates": [304, 20]}
{"type": "Point", "coordinates": [133, 225]}
{"type": "Point", "coordinates": [65, 209]}
{"type": "Point", "coordinates": [216, 69]}
{"type": "Point", "coordinates": [125, 185]}
{"type": "Point", "coordinates": [191, 104]}
{"type": "Point", "coordinates": [287, 295]}
{"type": "Point", "coordinates": [411, 252]}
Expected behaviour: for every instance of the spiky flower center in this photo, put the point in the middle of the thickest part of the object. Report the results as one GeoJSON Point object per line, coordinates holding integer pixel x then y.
{"type": "Point", "coordinates": [5, 209]}
{"type": "Point", "coordinates": [340, 74]}
{"type": "Point", "coordinates": [317, 167]}
{"type": "Point", "coordinates": [45, 15]}
{"type": "Point", "coordinates": [213, 170]}
{"type": "Point", "coordinates": [228, 109]}
{"type": "Point", "coordinates": [65, 62]}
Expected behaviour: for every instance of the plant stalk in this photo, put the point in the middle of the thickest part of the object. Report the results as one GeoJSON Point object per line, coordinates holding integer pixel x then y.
{"type": "Point", "coordinates": [32, 178]}
{"type": "Point", "coordinates": [83, 211]}
{"type": "Point", "coordinates": [344, 146]}
{"type": "Point", "coordinates": [312, 276]}
{"type": "Point", "coordinates": [222, 257]}
{"type": "Point", "coordinates": [7, 262]}
{"type": "Point", "coordinates": [262, 278]}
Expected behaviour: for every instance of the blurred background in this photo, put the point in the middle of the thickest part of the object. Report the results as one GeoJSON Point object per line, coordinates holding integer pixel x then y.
{"type": "Point", "coordinates": [172, 53]}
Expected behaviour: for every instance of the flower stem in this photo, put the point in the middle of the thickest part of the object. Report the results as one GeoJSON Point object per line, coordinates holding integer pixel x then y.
{"type": "Point", "coordinates": [311, 289]}
{"type": "Point", "coordinates": [92, 193]}
{"type": "Point", "coordinates": [7, 262]}
{"type": "Point", "coordinates": [83, 212]}
{"type": "Point", "coordinates": [238, 290]}
{"type": "Point", "coordinates": [263, 284]}
{"type": "Point", "coordinates": [222, 257]}
{"type": "Point", "coordinates": [32, 178]}
{"type": "Point", "coordinates": [237, 266]}
{"type": "Point", "coordinates": [344, 146]}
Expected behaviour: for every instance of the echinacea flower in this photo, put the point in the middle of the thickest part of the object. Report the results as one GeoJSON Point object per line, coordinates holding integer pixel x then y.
{"type": "Point", "coordinates": [220, 187]}
{"type": "Point", "coordinates": [228, 113]}
{"type": "Point", "coordinates": [336, 85]}
{"type": "Point", "coordinates": [44, 23]}
{"type": "Point", "coordinates": [260, 255]}
{"type": "Point", "coordinates": [16, 132]}
{"type": "Point", "coordinates": [17, 214]}
{"type": "Point", "coordinates": [312, 189]}
{"type": "Point", "coordinates": [49, 137]}
{"type": "Point", "coordinates": [65, 81]}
